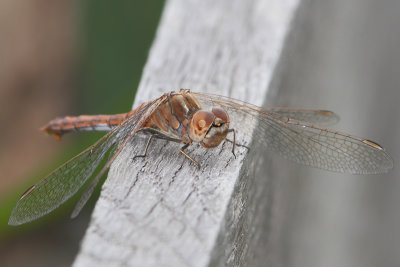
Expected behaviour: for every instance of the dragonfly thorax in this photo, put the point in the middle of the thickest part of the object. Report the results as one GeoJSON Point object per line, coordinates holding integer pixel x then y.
{"type": "Point", "coordinates": [209, 127]}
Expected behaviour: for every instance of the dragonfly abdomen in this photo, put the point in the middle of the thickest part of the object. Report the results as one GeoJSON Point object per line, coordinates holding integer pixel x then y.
{"type": "Point", "coordinates": [60, 126]}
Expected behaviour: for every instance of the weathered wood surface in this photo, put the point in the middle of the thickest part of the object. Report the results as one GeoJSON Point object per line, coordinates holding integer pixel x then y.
{"type": "Point", "coordinates": [345, 60]}
{"type": "Point", "coordinates": [162, 210]}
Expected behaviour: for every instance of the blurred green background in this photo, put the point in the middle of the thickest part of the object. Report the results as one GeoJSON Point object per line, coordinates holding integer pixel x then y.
{"type": "Point", "coordinates": [111, 41]}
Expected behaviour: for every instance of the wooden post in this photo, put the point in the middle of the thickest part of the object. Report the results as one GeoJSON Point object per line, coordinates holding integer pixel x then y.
{"type": "Point", "coordinates": [164, 211]}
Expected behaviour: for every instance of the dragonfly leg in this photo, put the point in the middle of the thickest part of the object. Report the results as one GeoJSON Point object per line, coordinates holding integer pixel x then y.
{"type": "Point", "coordinates": [186, 155]}
{"type": "Point", "coordinates": [234, 142]}
{"type": "Point", "coordinates": [145, 149]}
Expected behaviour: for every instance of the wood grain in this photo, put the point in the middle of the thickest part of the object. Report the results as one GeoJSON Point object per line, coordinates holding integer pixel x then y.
{"type": "Point", "coordinates": [162, 210]}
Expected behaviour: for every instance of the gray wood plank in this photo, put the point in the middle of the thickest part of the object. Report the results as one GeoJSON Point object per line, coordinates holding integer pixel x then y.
{"type": "Point", "coordinates": [346, 61]}
{"type": "Point", "coordinates": [162, 210]}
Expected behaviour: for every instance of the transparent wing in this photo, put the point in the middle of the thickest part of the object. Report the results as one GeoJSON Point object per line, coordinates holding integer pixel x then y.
{"type": "Point", "coordinates": [66, 180]}
{"type": "Point", "coordinates": [303, 142]}
{"type": "Point", "coordinates": [90, 188]}
{"type": "Point", "coordinates": [321, 117]}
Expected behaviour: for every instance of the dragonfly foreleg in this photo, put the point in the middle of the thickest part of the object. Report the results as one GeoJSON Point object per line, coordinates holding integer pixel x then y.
{"type": "Point", "coordinates": [145, 149]}
{"type": "Point", "coordinates": [234, 142]}
{"type": "Point", "coordinates": [186, 155]}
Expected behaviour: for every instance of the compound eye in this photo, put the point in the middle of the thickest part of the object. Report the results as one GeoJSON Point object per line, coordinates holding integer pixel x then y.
{"type": "Point", "coordinates": [221, 115]}
{"type": "Point", "coordinates": [203, 119]}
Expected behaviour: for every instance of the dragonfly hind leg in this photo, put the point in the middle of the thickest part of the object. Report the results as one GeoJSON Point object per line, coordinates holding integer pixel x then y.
{"type": "Point", "coordinates": [144, 154]}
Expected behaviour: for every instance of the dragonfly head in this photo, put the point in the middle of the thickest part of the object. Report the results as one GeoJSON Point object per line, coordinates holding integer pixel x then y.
{"type": "Point", "coordinates": [209, 128]}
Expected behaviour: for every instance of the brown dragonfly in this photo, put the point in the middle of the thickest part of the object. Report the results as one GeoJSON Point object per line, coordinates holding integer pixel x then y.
{"type": "Point", "coordinates": [187, 117]}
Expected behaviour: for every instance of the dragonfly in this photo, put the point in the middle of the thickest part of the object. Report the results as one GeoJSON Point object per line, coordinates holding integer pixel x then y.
{"type": "Point", "coordinates": [187, 117]}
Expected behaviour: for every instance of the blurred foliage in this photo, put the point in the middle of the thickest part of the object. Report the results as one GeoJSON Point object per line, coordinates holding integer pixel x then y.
{"type": "Point", "coordinates": [114, 41]}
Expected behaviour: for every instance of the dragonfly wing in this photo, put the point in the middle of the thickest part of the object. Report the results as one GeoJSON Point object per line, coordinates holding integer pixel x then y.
{"type": "Point", "coordinates": [90, 188]}
{"type": "Point", "coordinates": [303, 142]}
{"type": "Point", "coordinates": [319, 117]}
{"type": "Point", "coordinates": [66, 180]}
